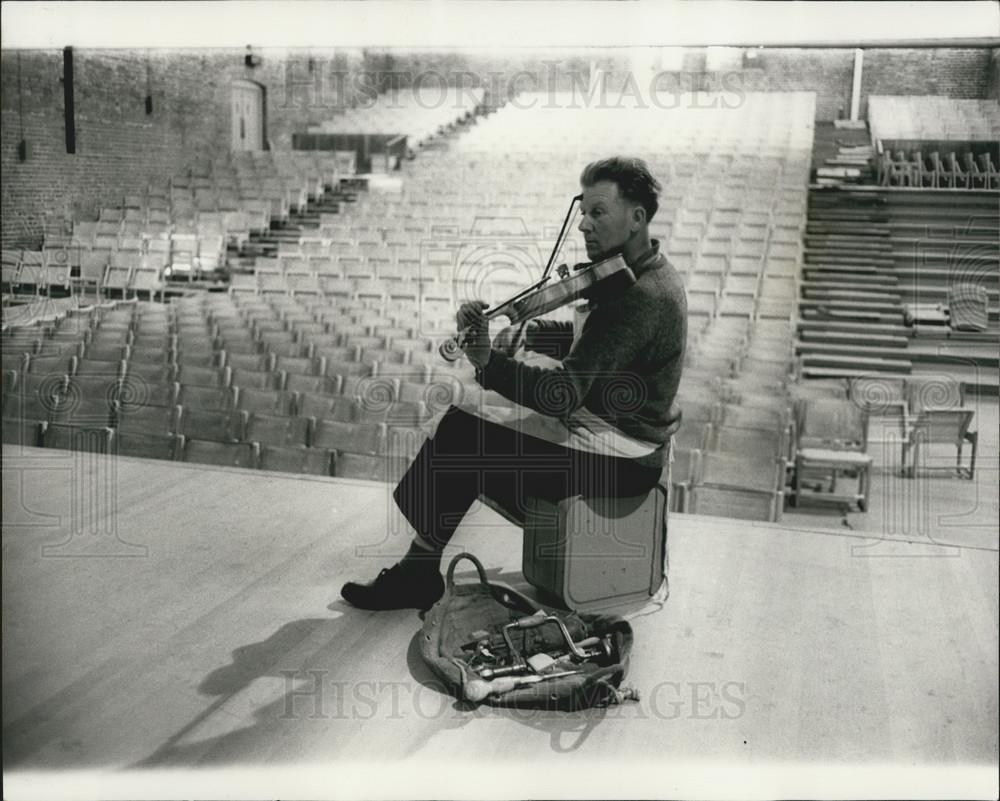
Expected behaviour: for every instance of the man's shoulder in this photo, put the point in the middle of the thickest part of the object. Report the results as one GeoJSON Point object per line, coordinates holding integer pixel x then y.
{"type": "Point", "coordinates": [661, 284]}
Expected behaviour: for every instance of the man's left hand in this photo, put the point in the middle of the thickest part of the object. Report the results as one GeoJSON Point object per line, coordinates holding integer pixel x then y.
{"type": "Point", "coordinates": [470, 315]}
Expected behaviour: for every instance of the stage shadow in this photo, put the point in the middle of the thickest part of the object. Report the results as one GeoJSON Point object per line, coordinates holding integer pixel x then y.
{"type": "Point", "coordinates": [297, 680]}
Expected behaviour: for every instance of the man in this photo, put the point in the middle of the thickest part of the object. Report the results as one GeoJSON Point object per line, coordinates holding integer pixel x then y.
{"type": "Point", "coordinates": [599, 422]}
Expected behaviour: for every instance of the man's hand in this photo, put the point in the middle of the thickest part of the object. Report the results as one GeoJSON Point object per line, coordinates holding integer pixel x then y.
{"type": "Point", "coordinates": [502, 340]}
{"type": "Point", "coordinates": [470, 315]}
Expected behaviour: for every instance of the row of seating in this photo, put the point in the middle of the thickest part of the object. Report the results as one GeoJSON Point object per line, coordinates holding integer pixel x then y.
{"type": "Point", "coordinates": [933, 117]}
{"type": "Point", "coordinates": [419, 113]}
{"type": "Point", "coordinates": [317, 460]}
{"type": "Point", "coordinates": [743, 246]}
{"type": "Point", "coordinates": [899, 169]}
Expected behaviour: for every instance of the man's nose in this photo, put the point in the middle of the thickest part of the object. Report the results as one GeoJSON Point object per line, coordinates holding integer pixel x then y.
{"type": "Point", "coordinates": [584, 225]}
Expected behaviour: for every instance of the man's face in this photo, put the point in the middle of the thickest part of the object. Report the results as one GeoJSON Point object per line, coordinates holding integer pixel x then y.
{"type": "Point", "coordinates": [607, 218]}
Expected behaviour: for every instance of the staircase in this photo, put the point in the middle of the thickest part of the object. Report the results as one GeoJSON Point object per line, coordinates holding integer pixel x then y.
{"type": "Point", "coordinates": [267, 243]}
{"type": "Point", "coordinates": [842, 155]}
{"type": "Point", "coordinates": [872, 258]}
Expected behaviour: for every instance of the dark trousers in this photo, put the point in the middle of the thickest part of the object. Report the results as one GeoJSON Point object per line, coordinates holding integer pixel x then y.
{"type": "Point", "coordinates": [469, 456]}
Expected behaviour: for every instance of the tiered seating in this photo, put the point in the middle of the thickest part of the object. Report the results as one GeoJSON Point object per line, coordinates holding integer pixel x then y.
{"type": "Point", "coordinates": [929, 141]}
{"type": "Point", "coordinates": [883, 269]}
{"type": "Point", "coordinates": [933, 117]}
{"type": "Point", "coordinates": [950, 171]}
{"type": "Point", "coordinates": [250, 386]}
{"type": "Point", "coordinates": [35, 272]}
{"type": "Point", "coordinates": [417, 113]}
{"type": "Point", "coordinates": [324, 358]}
{"type": "Point", "coordinates": [182, 229]}
{"type": "Point", "coordinates": [733, 447]}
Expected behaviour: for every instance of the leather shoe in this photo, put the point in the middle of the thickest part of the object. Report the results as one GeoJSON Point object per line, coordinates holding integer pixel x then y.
{"type": "Point", "coordinates": [396, 587]}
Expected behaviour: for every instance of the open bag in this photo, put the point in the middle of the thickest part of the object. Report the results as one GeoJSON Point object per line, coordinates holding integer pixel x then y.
{"type": "Point", "coordinates": [491, 644]}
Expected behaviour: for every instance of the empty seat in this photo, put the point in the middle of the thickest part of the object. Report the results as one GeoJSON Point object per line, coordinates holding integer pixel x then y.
{"type": "Point", "coordinates": [147, 445]}
{"type": "Point", "coordinates": [313, 384]}
{"type": "Point", "coordinates": [742, 471]}
{"type": "Point", "coordinates": [250, 379]}
{"type": "Point", "coordinates": [268, 429]}
{"type": "Point", "coordinates": [765, 442]}
{"type": "Point", "coordinates": [933, 392]}
{"type": "Point", "coordinates": [311, 461]}
{"type": "Point", "coordinates": [146, 419]}
{"type": "Point", "coordinates": [257, 362]}
{"type": "Point", "coordinates": [205, 398]}
{"type": "Point", "coordinates": [831, 423]}
{"type": "Point", "coordinates": [879, 396]}
{"type": "Point", "coordinates": [214, 426]}
{"type": "Point", "coordinates": [95, 410]}
{"type": "Point", "coordinates": [150, 372]}
{"type": "Point", "coordinates": [367, 467]}
{"type": "Point", "coordinates": [89, 439]}
{"type": "Point", "coordinates": [20, 431]}
{"type": "Point", "coordinates": [190, 375]}
{"type": "Point", "coordinates": [359, 438]}
{"type": "Point", "coordinates": [939, 426]}
{"type": "Point", "coordinates": [310, 404]}
{"type": "Point", "coordinates": [266, 401]}
{"type": "Point", "coordinates": [99, 367]}
{"type": "Point", "coordinates": [223, 454]}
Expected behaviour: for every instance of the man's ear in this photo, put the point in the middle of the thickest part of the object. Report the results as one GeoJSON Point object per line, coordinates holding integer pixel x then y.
{"type": "Point", "coordinates": [638, 216]}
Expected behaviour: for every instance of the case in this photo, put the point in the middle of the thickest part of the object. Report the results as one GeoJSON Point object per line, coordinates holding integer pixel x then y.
{"type": "Point", "coordinates": [595, 554]}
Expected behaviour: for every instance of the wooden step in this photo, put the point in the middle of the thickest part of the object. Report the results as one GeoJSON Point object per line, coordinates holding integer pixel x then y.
{"type": "Point", "coordinates": [820, 373]}
{"type": "Point", "coordinates": [851, 327]}
{"type": "Point", "coordinates": [847, 269]}
{"type": "Point", "coordinates": [833, 304]}
{"type": "Point", "coordinates": [833, 241]}
{"type": "Point", "coordinates": [852, 316]}
{"type": "Point", "coordinates": [826, 257]}
{"type": "Point", "coordinates": [848, 255]}
{"type": "Point", "coordinates": [851, 349]}
{"type": "Point", "coordinates": [831, 360]}
{"type": "Point", "coordinates": [813, 292]}
{"type": "Point", "coordinates": [837, 278]}
{"type": "Point", "coordinates": [865, 338]}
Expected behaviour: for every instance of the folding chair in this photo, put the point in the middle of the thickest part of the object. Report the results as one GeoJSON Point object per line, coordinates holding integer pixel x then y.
{"type": "Point", "coordinates": [939, 426]}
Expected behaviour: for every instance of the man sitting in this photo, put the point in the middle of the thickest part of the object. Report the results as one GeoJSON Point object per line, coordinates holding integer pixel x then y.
{"type": "Point", "coordinates": [597, 423]}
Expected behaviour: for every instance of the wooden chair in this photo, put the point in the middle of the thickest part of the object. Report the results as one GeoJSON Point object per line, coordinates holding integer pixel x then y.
{"type": "Point", "coordinates": [989, 170]}
{"type": "Point", "coordinates": [832, 440]}
{"type": "Point", "coordinates": [939, 426]}
{"type": "Point", "coordinates": [960, 177]}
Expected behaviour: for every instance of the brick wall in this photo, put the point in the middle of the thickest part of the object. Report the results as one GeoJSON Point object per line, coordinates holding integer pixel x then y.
{"type": "Point", "coordinates": [993, 79]}
{"type": "Point", "coordinates": [953, 72]}
{"type": "Point", "coordinates": [119, 148]}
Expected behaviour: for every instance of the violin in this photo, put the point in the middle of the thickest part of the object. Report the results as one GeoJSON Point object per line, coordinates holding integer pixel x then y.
{"type": "Point", "coordinates": [610, 276]}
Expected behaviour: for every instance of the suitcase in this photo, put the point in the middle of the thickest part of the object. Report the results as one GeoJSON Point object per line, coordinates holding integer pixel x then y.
{"type": "Point", "coordinates": [595, 554]}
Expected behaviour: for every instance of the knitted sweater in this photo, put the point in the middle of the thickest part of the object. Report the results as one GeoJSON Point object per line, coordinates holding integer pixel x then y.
{"type": "Point", "coordinates": [624, 365]}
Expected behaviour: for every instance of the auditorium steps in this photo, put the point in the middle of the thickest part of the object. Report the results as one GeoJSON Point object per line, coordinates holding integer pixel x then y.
{"type": "Point", "coordinates": [870, 253]}
{"type": "Point", "coordinates": [299, 223]}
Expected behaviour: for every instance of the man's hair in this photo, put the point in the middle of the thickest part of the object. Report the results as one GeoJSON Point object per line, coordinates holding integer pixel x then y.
{"type": "Point", "coordinates": [635, 182]}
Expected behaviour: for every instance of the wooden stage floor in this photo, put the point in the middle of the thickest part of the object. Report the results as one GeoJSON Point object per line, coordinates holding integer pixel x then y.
{"type": "Point", "coordinates": [162, 615]}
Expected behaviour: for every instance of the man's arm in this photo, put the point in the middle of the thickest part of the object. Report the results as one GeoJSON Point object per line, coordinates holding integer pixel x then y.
{"type": "Point", "coordinates": [609, 340]}
{"type": "Point", "coordinates": [549, 337]}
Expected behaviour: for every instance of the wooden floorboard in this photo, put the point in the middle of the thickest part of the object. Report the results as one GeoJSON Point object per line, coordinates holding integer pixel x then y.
{"type": "Point", "coordinates": [206, 631]}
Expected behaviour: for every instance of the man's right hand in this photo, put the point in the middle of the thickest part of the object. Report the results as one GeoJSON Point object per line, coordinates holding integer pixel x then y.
{"type": "Point", "coordinates": [502, 340]}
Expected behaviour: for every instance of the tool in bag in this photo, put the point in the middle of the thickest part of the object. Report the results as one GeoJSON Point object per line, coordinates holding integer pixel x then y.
{"type": "Point", "coordinates": [491, 644]}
